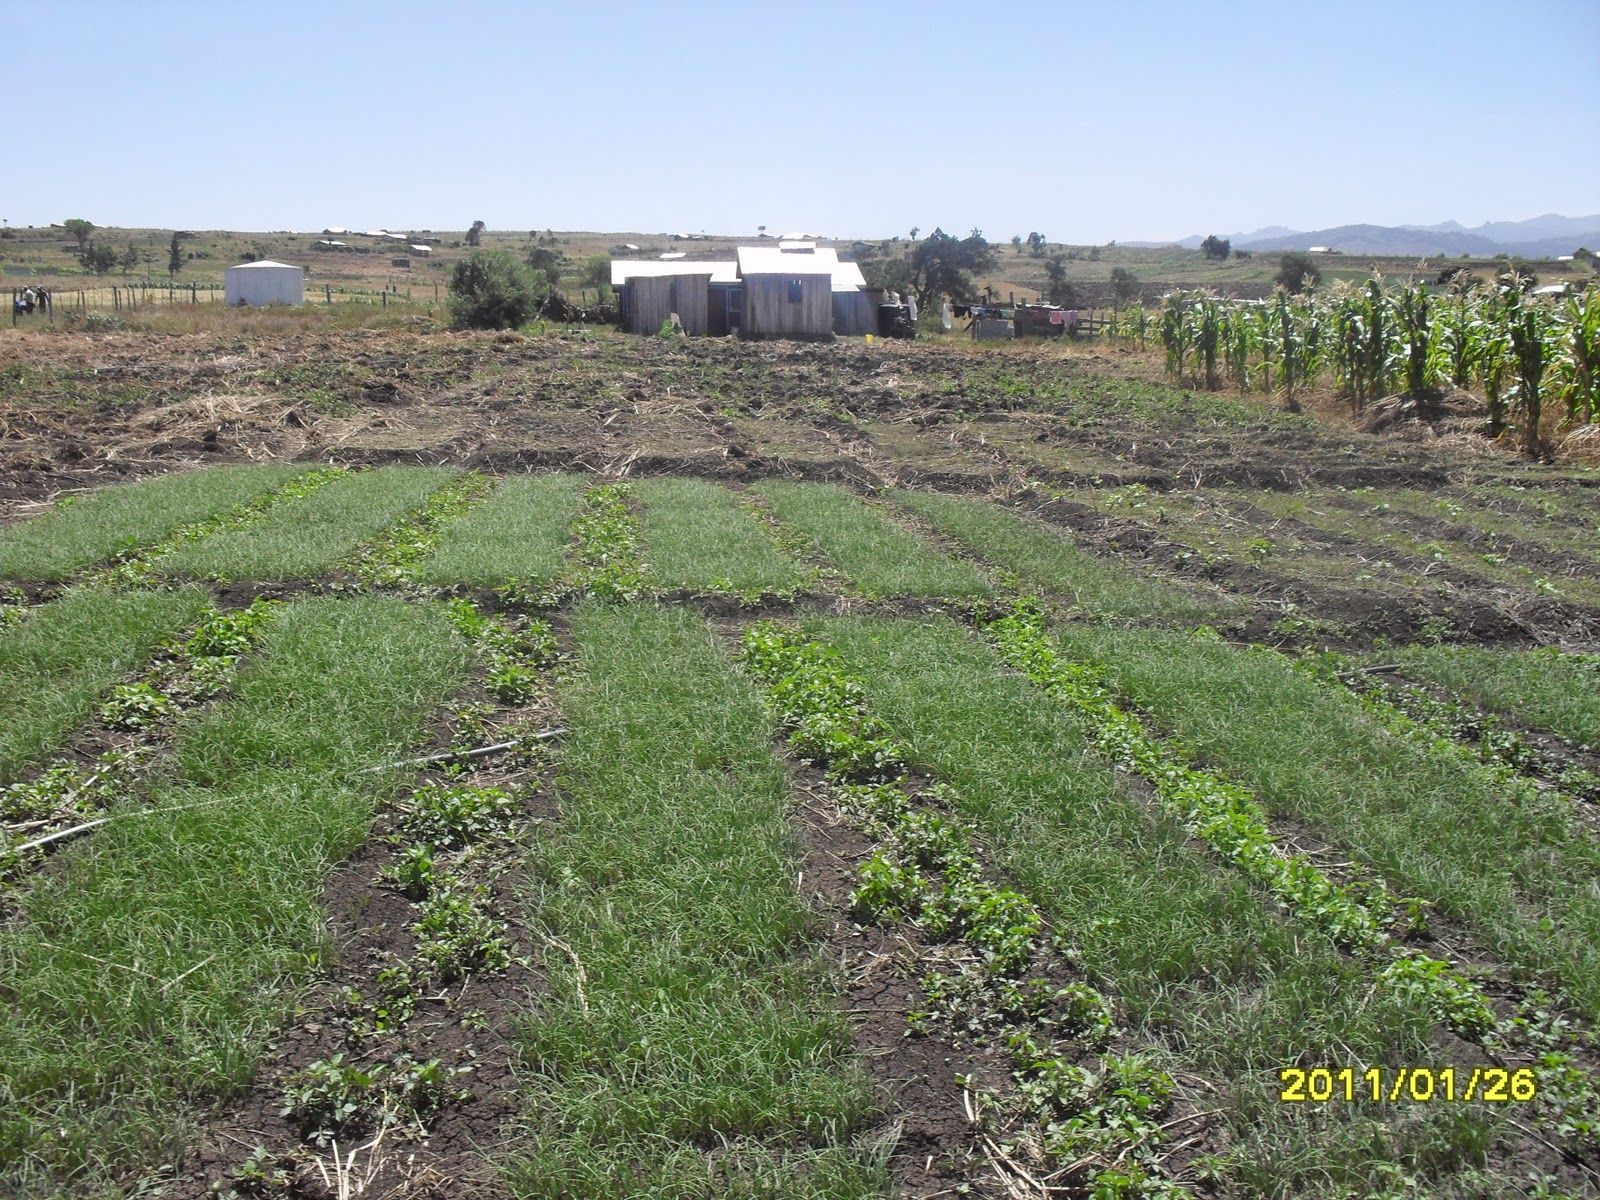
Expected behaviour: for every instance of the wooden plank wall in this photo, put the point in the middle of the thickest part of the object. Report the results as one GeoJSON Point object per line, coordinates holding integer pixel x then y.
{"type": "Point", "coordinates": [691, 300]}
{"type": "Point", "coordinates": [854, 314]}
{"type": "Point", "coordinates": [654, 298]}
{"type": "Point", "coordinates": [649, 302]}
{"type": "Point", "coordinates": [768, 312]}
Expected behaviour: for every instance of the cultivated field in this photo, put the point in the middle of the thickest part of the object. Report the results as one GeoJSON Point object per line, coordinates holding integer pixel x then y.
{"type": "Point", "coordinates": [589, 766]}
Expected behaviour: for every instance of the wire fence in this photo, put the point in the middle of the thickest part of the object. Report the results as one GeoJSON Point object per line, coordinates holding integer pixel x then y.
{"type": "Point", "coordinates": [51, 302]}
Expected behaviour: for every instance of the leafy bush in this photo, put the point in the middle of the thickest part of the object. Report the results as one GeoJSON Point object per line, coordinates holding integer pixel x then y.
{"type": "Point", "coordinates": [1297, 272]}
{"type": "Point", "coordinates": [490, 289]}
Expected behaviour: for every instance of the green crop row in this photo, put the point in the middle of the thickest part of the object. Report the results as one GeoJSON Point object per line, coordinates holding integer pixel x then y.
{"type": "Point", "coordinates": [924, 871]}
{"type": "Point", "coordinates": [1548, 688]}
{"type": "Point", "coordinates": [1227, 818]}
{"type": "Point", "coordinates": [606, 560]}
{"type": "Point", "coordinates": [1045, 559]}
{"type": "Point", "coordinates": [145, 973]}
{"type": "Point", "coordinates": [56, 666]}
{"type": "Point", "coordinates": [1463, 731]}
{"type": "Point", "coordinates": [306, 539]}
{"type": "Point", "coordinates": [877, 555]}
{"type": "Point", "coordinates": [697, 535]}
{"type": "Point", "coordinates": [513, 538]}
{"type": "Point", "coordinates": [396, 557]}
{"type": "Point", "coordinates": [144, 566]}
{"type": "Point", "coordinates": [80, 532]}
{"type": "Point", "coordinates": [195, 668]}
{"type": "Point", "coordinates": [689, 1042]}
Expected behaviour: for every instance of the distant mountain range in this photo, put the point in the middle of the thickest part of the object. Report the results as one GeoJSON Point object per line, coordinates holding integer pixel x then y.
{"type": "Point", "coordinates": [1538, 237]}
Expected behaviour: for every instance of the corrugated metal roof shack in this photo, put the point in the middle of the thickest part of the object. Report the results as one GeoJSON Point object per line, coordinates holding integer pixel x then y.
{"type": "Point", "coordinates": [796, 289]}
{"type": "Point", "coordinates": [793, 289]}
{"type": "Point", "coordinates": [648, 293]}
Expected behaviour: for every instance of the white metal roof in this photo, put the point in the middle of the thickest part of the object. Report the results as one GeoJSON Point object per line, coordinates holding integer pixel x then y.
{"type": "Point", "coordinates": [622, 269]}
{"type": "Point", "coordinates": [805, 259]}
{"type": "Point", "coordinates": [265, 262]}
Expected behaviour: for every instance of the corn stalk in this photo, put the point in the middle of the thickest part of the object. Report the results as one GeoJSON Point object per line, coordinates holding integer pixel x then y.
{"type": "Point", "coordinates": [1579, 362]}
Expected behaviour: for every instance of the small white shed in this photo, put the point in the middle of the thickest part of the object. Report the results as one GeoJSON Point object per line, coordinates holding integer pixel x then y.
{"type": "Point", "coordinates": [266, 282]}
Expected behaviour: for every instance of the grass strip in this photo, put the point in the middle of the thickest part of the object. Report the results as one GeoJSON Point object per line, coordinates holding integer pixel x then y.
{"type": "Point", "coordinates": [1463, 731]}
{"type": "Point", "coordinates": [1547, 688]}
{"type": "Point", "coordinates": [191, 670]}
{"type": "Point", "coordinates": [880, 557]}
{"type": "Point", "coordinates": [82, 531]}
{"type": "Point", "coordinates": [1046, 560]}
{"type": "Point", "coordinates": [517, 536]}
{"type": "Point", "coordinates": [697, 535]}
{"type": "Point", "coordinates": [1226, 817]}
{"type": "Point", "coordinates": [1520, 877]}
{"type": "Point", "coordinates": [145, 566]}
{"type": "Point", "coordinates": [394, 558]}
{"type": "Point", "coordinates": [305, 539]}
{"type": "Point", "coordinates": [689, 1044]}
{"type": "Point", "coordinates": [151, 966]}
{"type": "Point", "coordinates": [924, 871]}
{"type": "Point", "coordinates": [1204, 971]}
{"type": "Point", "coordinates": [56, 665]}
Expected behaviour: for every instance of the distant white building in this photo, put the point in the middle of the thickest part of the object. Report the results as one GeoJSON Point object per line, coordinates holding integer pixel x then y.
{"type": "Point", "coordinates": [1319, 249]}
{"type": "Point", "coordinates": [266, 282]}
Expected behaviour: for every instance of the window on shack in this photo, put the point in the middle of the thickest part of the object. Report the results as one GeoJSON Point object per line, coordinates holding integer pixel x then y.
{"type": "Point", "coordinates": [796, 291]}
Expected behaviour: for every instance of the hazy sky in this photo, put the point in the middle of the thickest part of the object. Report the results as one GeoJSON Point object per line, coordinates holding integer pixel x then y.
{"type": "Point", "coordinates": [1123, 119]}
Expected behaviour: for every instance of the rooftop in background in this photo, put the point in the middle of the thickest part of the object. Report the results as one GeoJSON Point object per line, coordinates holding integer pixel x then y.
{"type": "Point", "coordinates": [721, 270]}
{"type": "Point", "coordinates": [801, 258]}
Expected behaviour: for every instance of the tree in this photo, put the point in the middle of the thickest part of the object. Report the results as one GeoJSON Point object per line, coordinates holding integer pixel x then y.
{"type": "Point", "coordinates": [174, 256]}
{"type": "Point", "coordinates": [1297, 273]}
{"type": "Point", "coordinates": [475, 234]}
{"type": "Point", "coordinates": [80, 229]}
{"type": "Point", "coordinates": [1016, 242]}
{"type": "Point", "coordinates": [129, 259]}
{"type": "Point", "coordinates": [914, 230]}
{"type": "Point", "coordinates": [943, 265]}
{"type": "Point", "coordinates": [1060, 291]}
{"type": "Point", "coordinates": [1215, 247]}
{"type": "Point", "coordinates": [1036, 244]}
{"type": "Point", "coordinates": [596, 271]}
{"type": "Point", "coordinates": [490, 289]}
{"type": "Point", "coordinates": [890, 274]}
{"type": "Point", "coordinates": [549, 264]}
{"type": "Point", "coordinates": [99, 259]}
{"type": "Point", "coordinates": [1124, 285]}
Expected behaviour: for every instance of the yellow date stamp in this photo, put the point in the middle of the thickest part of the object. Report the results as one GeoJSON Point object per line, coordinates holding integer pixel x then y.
{"type": "Point", "coordinates": [1419, 1085]}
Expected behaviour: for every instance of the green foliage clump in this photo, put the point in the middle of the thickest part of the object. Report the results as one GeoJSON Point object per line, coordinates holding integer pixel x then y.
{"type": "Point", "coordinates": [1297, 272]}
{"type": "Point", "coordinates": [491, 289]}
{"type": "Point", "coordinates": [447, 818]}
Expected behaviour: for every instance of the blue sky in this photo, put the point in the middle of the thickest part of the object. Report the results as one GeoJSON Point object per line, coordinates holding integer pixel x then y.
{"type": "Point", "coordinates": [1124, 119]}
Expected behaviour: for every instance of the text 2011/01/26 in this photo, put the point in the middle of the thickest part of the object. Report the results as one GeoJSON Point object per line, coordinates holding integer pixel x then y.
{"type": "Point", "coordinates": [1493, 1085]}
